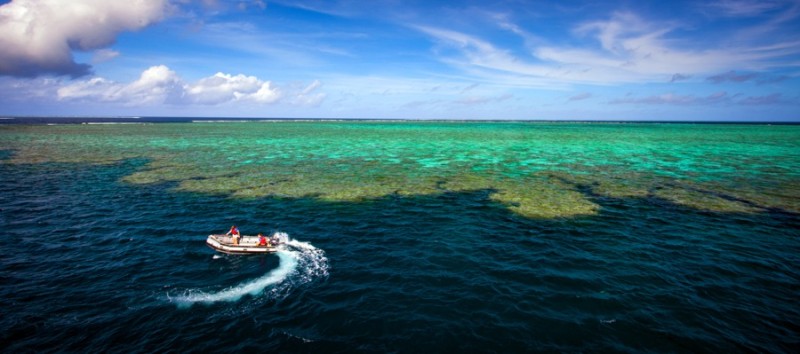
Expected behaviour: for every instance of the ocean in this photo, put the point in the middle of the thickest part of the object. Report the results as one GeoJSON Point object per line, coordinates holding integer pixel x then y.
{"type": "Point", "coordinates": [407, 236]}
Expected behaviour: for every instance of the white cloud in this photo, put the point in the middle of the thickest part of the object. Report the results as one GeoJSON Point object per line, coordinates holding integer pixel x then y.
{"type": "Point", "coordinates": [478, 100]}
{"type": "Point", "coordinates": [481, 57]}
{"type": "Point", "coordinates": [97, 88]}
{"type": "Point", "coordinates": [222, 88]}
{"type": "Point", "coordinates": [161, 85]}
{"type": "Point", "coordinates": [673, 99]}
{"type": "Point", "coordinates": [743, 8]}
{"type": "Point", "coordinates": [635, 50]}
{"type": "Point", "coordinates": [265, 94]}
{"type": "Point", "coordinates": [156, 84]}
{"type": "Point", "coordinates": [104, 55]}
{"type": "Point", "coordinates": [29, 90]}
{"type": "Point", "coordinates": [307, 97]}
{"type": "Point", "coordinates": [625, 48]}
{"type": "Point", "coordinates": [38, 36]}
{"type": "Point", "coordinates": [721, 97]}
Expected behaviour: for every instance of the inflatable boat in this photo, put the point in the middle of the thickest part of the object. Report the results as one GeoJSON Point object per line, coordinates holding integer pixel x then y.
{"type": "Point", "coordinates": [247, 244]}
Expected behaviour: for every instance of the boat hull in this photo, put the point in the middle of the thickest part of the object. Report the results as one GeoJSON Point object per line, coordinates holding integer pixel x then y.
{"type": "Point", "coordinates": [247, 245]}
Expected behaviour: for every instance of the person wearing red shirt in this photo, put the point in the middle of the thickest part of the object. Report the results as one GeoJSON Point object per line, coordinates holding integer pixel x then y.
{"type": "Point", "coordinates": [262, 241]}
{"type": "Point", "coordinates": [235, 233]}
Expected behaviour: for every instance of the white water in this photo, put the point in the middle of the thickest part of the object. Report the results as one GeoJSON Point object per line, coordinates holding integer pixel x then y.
{"type": "Point", "coordinates": [300, 262]}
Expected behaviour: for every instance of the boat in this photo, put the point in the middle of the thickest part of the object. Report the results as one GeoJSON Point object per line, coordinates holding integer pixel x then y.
{"type": "Point", "coordinates": [247, 244]}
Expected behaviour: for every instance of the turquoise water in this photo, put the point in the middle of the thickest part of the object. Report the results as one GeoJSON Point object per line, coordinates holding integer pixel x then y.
{"type": "Point", "coordinates": [406, 236]}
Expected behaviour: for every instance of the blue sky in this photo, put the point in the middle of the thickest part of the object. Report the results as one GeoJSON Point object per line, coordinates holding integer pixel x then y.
{"type": "Point", "coordinates": [612, 60]}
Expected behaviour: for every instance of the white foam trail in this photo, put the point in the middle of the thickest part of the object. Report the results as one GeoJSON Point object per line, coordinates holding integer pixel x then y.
{"type": "Point", "coordinates": [300, 263]}
{"type": "Point", "coordinates": [313, 262]}
{"type": "Point", "coordinates": [283, 238]}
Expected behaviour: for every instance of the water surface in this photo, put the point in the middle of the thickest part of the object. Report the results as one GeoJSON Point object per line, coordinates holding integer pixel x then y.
{"type": "Point", "coordinates": [405, 237]}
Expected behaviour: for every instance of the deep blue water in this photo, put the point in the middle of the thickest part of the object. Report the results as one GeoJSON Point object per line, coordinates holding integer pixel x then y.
{"type": "Point", "coordinates": [90, 264]}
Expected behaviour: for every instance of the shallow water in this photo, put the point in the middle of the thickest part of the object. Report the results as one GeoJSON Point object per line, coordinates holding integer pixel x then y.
{"type": "Point", "coordinates": [406, 237]}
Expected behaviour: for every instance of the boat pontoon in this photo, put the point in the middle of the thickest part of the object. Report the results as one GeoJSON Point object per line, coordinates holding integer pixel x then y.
{"type": "Point", "coordinates": [247, 244]}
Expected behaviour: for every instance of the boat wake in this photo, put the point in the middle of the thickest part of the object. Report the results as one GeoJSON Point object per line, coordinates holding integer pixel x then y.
{"type": "Point", "coordinates": [300, 263]}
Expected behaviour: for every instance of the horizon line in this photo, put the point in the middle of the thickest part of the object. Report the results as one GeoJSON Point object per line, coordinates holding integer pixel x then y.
{"type": "Point", "coordinates": [77, 119]}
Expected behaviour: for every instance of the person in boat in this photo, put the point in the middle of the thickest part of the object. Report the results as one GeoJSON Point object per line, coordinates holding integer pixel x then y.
{"type": "Point", "coordinates": [262, 241]}
{"type": "Point", "coordinates": [234, 232]}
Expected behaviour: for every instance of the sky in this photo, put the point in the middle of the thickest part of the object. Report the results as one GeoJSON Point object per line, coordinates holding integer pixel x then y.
{"type": "Point", "coordinates": [729, 60]}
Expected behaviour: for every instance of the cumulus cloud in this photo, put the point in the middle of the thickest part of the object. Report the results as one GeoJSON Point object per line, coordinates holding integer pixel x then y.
{"type": "Point", "coordinates": [159, 85]}
{"type": "Point", "coordinates": [156, 84]}
{"type": "Point", "coordinates": [38, 36]}
{"type": "Point", "coordinates": [28, 90]}
{"type": "Point", "coordinates": [222, 88]}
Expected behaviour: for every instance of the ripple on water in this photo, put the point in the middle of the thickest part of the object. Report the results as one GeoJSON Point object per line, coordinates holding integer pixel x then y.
{"type": "Point", "coordinates": [416, 259]}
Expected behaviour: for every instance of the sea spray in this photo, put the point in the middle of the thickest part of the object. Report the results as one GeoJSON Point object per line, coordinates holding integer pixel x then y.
{"type": "Point", "coordinates": [313, 262]}
{"type": "Point", "coordinates": [300, 263]}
